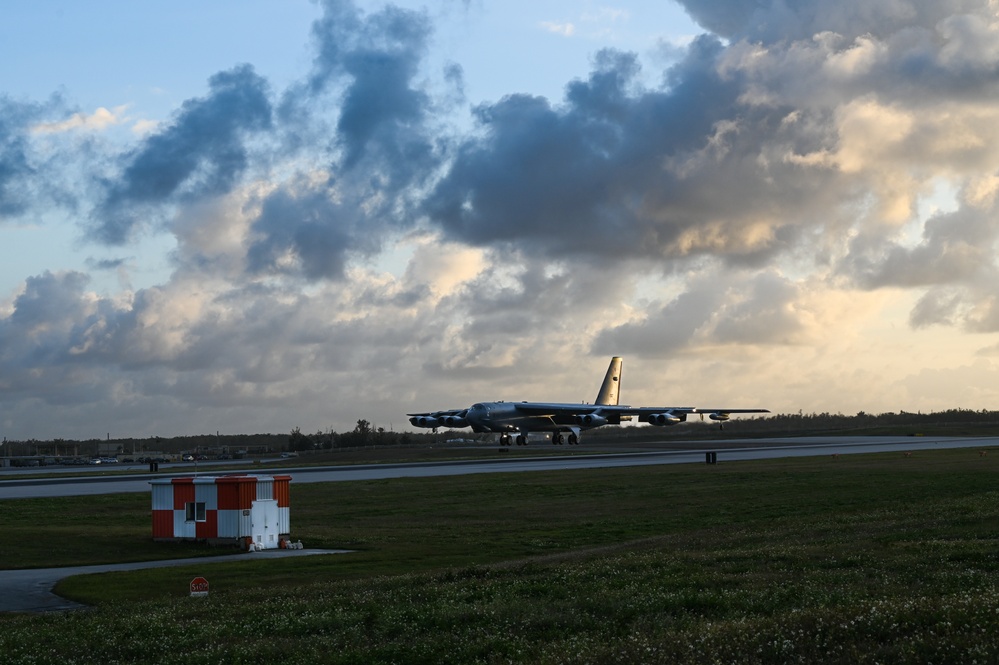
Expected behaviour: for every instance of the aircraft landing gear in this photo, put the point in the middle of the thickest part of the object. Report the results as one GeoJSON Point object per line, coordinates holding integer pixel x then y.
{"type": "Point", "coordinates": [521, 440]}
{"type": "Point", "coordinates": [573, 440]}
{"type": "Point", "coordinates": [504, 439]}
{"type": "Point", "coordinates": [557, 439]}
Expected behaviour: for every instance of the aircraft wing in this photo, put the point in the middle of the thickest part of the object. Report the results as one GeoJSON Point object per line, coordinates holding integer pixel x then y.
{"type": "Point", "coordinates": [646, 410]}
{"type": "Point", "coordinates": [544, 408]}
{"type": "Point", "coordinates": [602, 414]}
{"type": "Point", "coordinates": [445, 412]}
{"type": "Point", "coordinates": [671, 415]}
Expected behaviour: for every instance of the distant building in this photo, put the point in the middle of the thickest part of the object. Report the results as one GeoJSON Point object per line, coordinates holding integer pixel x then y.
{"type": "Point", "coordinates": [234, 510]}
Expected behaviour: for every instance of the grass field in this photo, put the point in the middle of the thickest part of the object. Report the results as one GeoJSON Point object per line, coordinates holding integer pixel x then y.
{"type": "Point", "coordinates": [854, 559]}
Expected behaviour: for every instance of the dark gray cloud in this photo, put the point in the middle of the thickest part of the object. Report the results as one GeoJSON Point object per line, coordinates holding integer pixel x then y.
{"type": "Point", "coordinates": [711, 313]}
{"type": "Point", "coordinates": [773, 21]}
{"type": "Point", "coordinates": [591, 177]}
{"type": "Point", "coordinates": [307, 225]}
{"type": "Point", "coordinates": [15, 169]}
{"type": "Point", "coordinates": [381, 106]}
{"type": "Point", "coordinates": [30, 181]}
{"type": "Point", "coordinates": [503, 309]}
{"type": "Point", "coordinates": [616, 172]}
{"type": "Point", "coordinates": [936, 306]}
{"type": "Point", "coordinates": [52, 347]}
{"type": "Point", "coordinates": [667, 330]}
{"type": "Point", "coordinates": [381, 147]}
{"type": "Point", "coordinates": [108, 264]}
{"type": "Point", "coordinates": [47, 310]}
{"type": "Point", "coordinates": [365, 68]}
{"type": "Point", "coordinates": [202, 152]}
{"type": "Point", "coordinates": [767, 313]}
{"type": "Point", "coordinates": [956, 247]}
{"type": "Point", "coordinates": [745, 152]}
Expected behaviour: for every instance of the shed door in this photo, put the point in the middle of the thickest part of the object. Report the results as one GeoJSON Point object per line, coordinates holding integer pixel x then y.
{"type": "Point", "coordinates": [264, 518]}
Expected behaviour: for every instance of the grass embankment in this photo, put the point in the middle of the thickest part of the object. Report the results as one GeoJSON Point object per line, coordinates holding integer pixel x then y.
{"type": "Point", "coordinates": [855, 559]}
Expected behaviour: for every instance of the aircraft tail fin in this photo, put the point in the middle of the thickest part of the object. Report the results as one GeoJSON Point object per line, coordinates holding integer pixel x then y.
{"type": "Point", "coordinates": [610, 389]}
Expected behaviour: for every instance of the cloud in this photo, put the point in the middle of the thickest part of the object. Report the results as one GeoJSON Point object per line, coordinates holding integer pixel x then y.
{"type": "Point", "coordinates": [39, 174]}
{"type": "Point", "coordinates": [96, 121]}
{"type": "Point", "coordinates": [770, 21]}
{"type": "Point", "coordinates": [17, 162]}
{"type": "Point", "coordinates": [367, 66]}
{"type": "Point", "coordinates": [954, 261]}
{"type": "Point", "coordinates": [381, 107]}
{"type": "Point", "coordinates": [955, 248]}
{"type": "Point", "coordinates": [51, 323]}
{"type": "Point", "coordinates": [563, 29]}
{"type": "Point", "coordinates": [746, 151]}
{"type": "Point", "coordinates": [305, 231]}
{"type": "Point", "coordinates": [199, 343]}
{"type": "Point", "coordinates": [936, 306]}
{"type": "Point", "coordinates": [443, 267]}
{"type": "Point", "coordinates": [381, 145]}
{"type": "Point", "coordinates": [586, 179]}
{"type": "Point", "coordinates": [758, 214]}
{"type": "Point", "coordinates": [200, 153]}
{"type": "Point", "coordinates": [717, 311]}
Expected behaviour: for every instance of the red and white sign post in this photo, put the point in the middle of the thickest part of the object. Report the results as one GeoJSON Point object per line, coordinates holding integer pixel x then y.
{"type": "Point", "coordinates": [199, 587]}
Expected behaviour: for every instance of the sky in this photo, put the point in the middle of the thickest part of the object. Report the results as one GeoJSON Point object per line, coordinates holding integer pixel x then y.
{"type": "Point", "coordinates": [253, 216]}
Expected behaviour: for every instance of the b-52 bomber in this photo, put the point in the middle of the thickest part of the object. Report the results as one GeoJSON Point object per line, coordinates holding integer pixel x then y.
{"type": "Point", "coordinates": [565, 422]}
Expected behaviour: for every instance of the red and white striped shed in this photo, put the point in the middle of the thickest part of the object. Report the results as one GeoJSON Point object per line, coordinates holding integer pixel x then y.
{"type": "Point", "coordinates": [236, 509]}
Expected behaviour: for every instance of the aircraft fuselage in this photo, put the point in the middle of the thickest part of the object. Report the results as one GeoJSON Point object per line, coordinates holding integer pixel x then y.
{"type": "Point", "coordinates": [508, 417]}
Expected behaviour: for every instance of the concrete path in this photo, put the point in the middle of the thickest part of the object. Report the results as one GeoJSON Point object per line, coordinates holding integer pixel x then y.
{"type": "Point", "coordinates": [30, 590]}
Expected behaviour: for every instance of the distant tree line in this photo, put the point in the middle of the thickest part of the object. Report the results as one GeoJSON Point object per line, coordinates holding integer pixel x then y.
{"type": "Point", "coordinates": [363, 434]}
{"type": "Point", "coordinates": [862, 419]}
{"type": "Point", "coordinates": [951, 421]}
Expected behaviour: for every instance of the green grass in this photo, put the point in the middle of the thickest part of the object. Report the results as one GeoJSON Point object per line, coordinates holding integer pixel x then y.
{"type": "Point", "coordinates": [77, 531]}
{"type": "Point", "coordinates": [854, 559]}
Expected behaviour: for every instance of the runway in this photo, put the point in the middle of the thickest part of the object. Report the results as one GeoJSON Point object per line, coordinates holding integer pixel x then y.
{"type": "Point", "coordinates": [727, 451]}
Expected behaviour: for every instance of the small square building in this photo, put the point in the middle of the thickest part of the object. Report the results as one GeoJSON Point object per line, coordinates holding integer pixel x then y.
{"type": "Point", "coordinates": [235, 510]}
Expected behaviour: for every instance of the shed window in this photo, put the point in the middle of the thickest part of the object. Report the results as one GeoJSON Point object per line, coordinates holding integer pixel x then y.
{"type": "Point", "coordinates": [195, 511]}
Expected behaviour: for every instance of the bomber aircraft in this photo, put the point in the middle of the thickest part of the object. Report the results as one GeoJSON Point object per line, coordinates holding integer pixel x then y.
{"type": "Point", "coordinates": [565, 422]}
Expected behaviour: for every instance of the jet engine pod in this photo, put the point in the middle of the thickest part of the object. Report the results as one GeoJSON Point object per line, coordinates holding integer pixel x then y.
{"type": "Point", "coordinates": [590, 420]}
{"type": "Point", "coordinates": [424, 421]}
{"type": "Point", "coordinates": [457, 420]}
{"type": "Point", "coordinates": [665, 419]}
{"type": "Point", "coordinates": [719, 416]}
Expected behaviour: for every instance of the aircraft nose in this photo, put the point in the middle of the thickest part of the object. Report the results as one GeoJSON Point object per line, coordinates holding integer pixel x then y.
{"type": "Point", "coordinates": [477, 413]}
